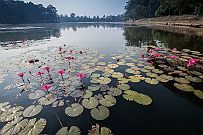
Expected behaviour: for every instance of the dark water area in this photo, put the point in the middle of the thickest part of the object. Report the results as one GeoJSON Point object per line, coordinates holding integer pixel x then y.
{"type": "Point", "coordinates": [172, 112]}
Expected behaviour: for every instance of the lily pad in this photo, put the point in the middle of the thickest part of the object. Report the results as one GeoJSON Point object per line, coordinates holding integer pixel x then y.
{"type": "Point", "coordinates": [181, 80]}
{"type": "Point", "coordinates": [37, 94]}
{"type": "Point", "coordinates": [193, 79]}
{"type": "Point", "coordinates": [100, 113]}
{"type": "Point", "coordinates": [33, 127]}
{"type": "Point", "coordinates": [123, 86]}
{"type": "Point", "coordinates": [74, 110]}
{"type": "Point", "coordinates": [108, 101]}
{"type": "Point", "coordinates": [115, 92]}
{"type": "Point", "coordinates": [104, 80]}
{"type": "Point", "coordinates": [184, 87]}
{"type": "Point", "coordinates": [49, 99]}
{"type": "Point", "coordinates": [90, 103]}
{"type": "Point", "coordinates": [66, 131]}
{"type": "Point", "coordinates": [32, 110]}
{"type": "Point", "coordinates": [151, 81]}
{"type": "Point", "coordinates": [14, 127]}
{"type": "Point", "coordinates": [198, 93]}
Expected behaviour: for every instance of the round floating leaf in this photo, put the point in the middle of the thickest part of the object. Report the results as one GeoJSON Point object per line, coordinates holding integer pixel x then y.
{"type": "Point", "coordinates": [100, 113]}
{"type": "Point", "coordinates": [11, 114]}
{"type": "Point", "coordinates": [130, 64]}
{"type": "Point", "coordinates": [96, 131]}
{"type": "Point", "coordinates": [74, 110]}
{"type": "Point", "coordinates": [123, 86]}
{"type": "Point", "coordinates": [112, 65]}
{"type": "Point", "coordinates": [115, 92]}
{"type": "Point", "coordinates": [33, 127]}
{"type": "Point", "coordinates": [181, 80]}
{"type": "Point", "coordinates": [198, 93]}
{"type": "Point", "coordinates": [159, 78]}
{"type": "Point", "coordinates": [123, 80]}
{"type": "Point", "coordinates": [117, 75]}
{"type": "Point", "coordinates": [101, 63]}
{"type": "Point", "coordinates": [32, 110]}
{"type": "Point", "coordinates": [90, 103]}
{"type": "Point", "coordinates": [151, 81]}
{"type": "Point", "coordinates": [196, 73]}
{"type": "Point", "coordinates": [72, 131]}
{"type": "Point", "coordinates": [87, 94]}
{"type": "Point", "coordinates": [14, 127]}
{"type": "Point", "coordinates": [151, 74]}
{"type": "Point", "coordinates": [167, 77]}
{"type": "Point", "coordinates": [37, 94]}
{"type": "Point", "coordinates": [103, 80]}
{"type": "Point", "coordinates": [184, 87]}
{"type": "Point", "coordinates": [193, 79]}
{"type": "Point", "coordinates": [108, 101]}
{"type": "Point", "coordinates": [143, 99]}
{"type": "Point", "coordinates": [94, 87]}
{"type": "Point", "coordinates": [157, 71]}
{"type": "Point", "coordinates": [49, 99]}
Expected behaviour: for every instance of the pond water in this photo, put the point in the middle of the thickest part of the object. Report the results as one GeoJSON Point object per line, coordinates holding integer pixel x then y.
{"type": "Point", "coordinates": [172, 111]}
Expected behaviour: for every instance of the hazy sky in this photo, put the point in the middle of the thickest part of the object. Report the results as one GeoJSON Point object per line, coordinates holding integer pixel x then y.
{"type": "Point", "coordinates": [85, 7]}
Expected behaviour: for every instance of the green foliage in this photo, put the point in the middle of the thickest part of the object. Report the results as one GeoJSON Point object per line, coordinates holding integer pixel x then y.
{"type": "Point", "coordinates": [136, 9]}
{"type": "Point", "coordinates": [19, 12]}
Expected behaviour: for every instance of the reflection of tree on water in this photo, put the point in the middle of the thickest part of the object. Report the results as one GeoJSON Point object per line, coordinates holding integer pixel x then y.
{"type": "Point", "coordinates": [75, 26]}
{"type": "Point", "coordinates": [138, 36]}
{"type": "Point", "coordinates": [32, 34]}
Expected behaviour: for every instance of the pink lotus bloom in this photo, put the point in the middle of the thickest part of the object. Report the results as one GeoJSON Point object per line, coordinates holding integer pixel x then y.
{"type": "Point", "coordinates": [46, 87]}
{"type": "Point", "coordinates": [173, 57]}
{"type": "Point", "coordinates": [21, 74]}
{"type": "Point", "coordinates": [71, 51]}
{"type": "Point", "coordinates": [61, 72]}
{"type": "Point", "coordinates": [69, 58]}
{"type": "Point", "coordinates": [174, 49]}
{"type": "Point", "coordinates": [157, 49]}
{"type": "Point", "coordinates": [47, 69]}
{"type": "Point", "coordinates": [40, 73]}
{"type": "Point", "coordinates": [150, 51]}
{"type": "Point", "coordinates": [192, 61]}
{"type": "Point", "coordinates": [156, 55]}
{"type": "Point", "coordinates": [80, 75]}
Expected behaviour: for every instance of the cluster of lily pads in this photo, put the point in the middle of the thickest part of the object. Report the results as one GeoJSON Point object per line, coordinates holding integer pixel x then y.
{"type": "Point", "coordinates": [82, 79]}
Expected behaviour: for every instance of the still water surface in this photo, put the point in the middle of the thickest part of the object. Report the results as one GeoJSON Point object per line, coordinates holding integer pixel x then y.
{"type": "Point", "coordinates": [170, 113]}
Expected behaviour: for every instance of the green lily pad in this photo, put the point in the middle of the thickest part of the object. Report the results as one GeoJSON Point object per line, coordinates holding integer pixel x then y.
{"type": "Point", "coordinates": [90, 103]}
{"type": "Point", "coordinates": [100, 113]}
{"type": "Point", "coordinates": [66, 131]}
{"type": "Point", "coordinates": [74, 110]}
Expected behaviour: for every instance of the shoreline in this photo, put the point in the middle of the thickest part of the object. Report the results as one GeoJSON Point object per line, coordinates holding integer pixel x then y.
{"type": "Point", "coordinates": [186, 24]}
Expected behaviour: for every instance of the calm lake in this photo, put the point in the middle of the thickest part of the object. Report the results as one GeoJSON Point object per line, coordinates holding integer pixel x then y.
{"type": "Point", "coordinates": [171, 111]}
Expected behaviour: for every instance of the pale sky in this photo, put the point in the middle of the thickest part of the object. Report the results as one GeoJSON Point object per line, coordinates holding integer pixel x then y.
{"type": "Point", "coordinates": [85, 7]}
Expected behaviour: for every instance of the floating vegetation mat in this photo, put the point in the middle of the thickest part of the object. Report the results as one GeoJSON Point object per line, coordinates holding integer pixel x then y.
{"type": "Point", "coordinates": [82, 80]}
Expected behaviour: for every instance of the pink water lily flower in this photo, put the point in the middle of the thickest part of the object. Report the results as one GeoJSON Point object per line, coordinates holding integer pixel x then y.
{"type": "Point", "coordinates": [150, 51]}
{"type": "Point", "coordinates": [191, 62]}
{"type": "Point", "coordinates": [155, 55]}
{"type": "Point", "coordinates": [40, 73]}
{"type": "Point", "coordinates": [157, 49]}
{"type": "Point", "coordinates": [71, 51]}
{"type": "Point", "coordinates": [173, 57]}
{"type": "Point", "coordinates": [174, 49]}
{"type": "Point", "coordinates": [61, 72]}
{"type": "Point", "coordinates": [80, 75]}
{"type": "Point", "coordinates": [46, 87]}
{"type": "Point", "coordinates": [69, 58]}
{"type": "Point", "coordinates": [47, 69]}
{"type": "Point", "coordinates": [21, 74]}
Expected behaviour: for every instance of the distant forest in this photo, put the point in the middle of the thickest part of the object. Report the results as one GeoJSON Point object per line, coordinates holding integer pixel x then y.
{"type": "Point", "coordinates": [16, 12]}
{"type": "Point", "coordinates": [74, 18]}
{"type": "Point", "coordinates": [136, 9]}
{"type": "Point", "coordinates": [19, 12]}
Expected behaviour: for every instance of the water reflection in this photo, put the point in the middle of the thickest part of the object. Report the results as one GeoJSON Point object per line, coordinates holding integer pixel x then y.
{"type": "Point", "coordinates": [138, 36]}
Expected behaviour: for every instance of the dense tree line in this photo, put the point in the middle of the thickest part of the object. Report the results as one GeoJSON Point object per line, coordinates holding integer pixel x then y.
{"type": "Point", "coordinates": [74, 18]}
{"type": "Point", "coordinates": [136, 9]}
{"type": "Point", "coordinates": [12, 12]}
